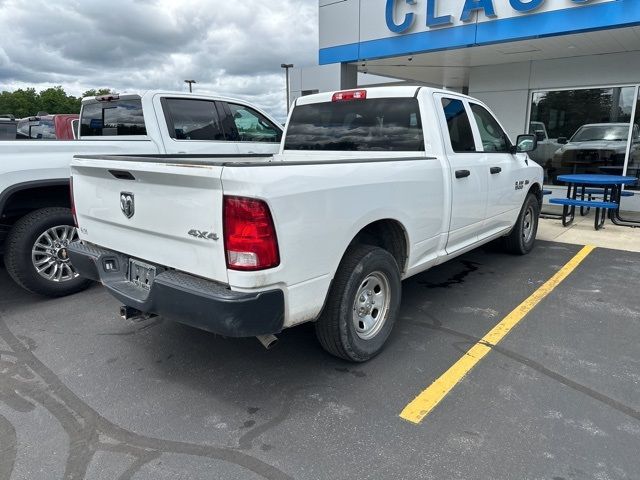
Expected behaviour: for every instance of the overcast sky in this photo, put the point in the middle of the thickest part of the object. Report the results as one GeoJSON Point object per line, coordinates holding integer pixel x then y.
{"type": "Point", "coordinates": [229, 47]}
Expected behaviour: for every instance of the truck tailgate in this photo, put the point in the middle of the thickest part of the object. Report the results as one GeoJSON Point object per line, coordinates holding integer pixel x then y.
{"type": "Point", "coordinates": [162, 213]}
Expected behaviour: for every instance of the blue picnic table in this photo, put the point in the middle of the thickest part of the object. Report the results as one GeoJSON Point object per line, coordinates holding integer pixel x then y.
{"type": "Point", "coordinates": [581, 193]}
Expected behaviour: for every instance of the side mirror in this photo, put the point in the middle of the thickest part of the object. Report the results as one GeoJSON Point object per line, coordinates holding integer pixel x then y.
{"type": "Point", "coordinates": [563, 140]}
{"type": "Point", "coordinates": [540, 135]}
{"type": "Point", "coordinates": [526, 143]}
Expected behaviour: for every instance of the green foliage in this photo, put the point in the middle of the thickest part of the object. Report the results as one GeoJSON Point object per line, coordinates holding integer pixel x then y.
{"type": "Point", "coordinates": [27, 102]}
{"type": "Point", "coordinates": [94, 93]}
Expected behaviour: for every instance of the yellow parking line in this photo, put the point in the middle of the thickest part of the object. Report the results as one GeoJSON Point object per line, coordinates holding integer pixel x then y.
{"type": "Point", "coordinates": [424, 403]}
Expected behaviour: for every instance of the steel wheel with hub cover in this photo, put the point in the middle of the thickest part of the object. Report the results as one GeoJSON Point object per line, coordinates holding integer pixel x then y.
{"type": "Point", "coordinates": [523, 236]}
{"type": "Point", "coordinates": [36, 253]}
{"type": "Point", "coordinates": [362, 304]}
{"type": "Point", "coordinates": [371, 306]}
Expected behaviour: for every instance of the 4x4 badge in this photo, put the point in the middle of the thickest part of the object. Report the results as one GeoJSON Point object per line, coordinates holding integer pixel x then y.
{"type": "Point", "coordinates": [203, 235]}
{"type": "Point", "coordinates": [127, 204]}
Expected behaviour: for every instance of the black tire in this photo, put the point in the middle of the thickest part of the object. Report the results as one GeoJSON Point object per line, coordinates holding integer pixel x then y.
{"type": "Point", "coordinates": [18, 248]}
{"type": "Point", "coordinates": [336, 329]}
{"type": "Point", "coordinates": [522, 238]}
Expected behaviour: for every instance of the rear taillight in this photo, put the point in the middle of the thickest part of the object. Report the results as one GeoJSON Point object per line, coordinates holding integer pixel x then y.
{"type": "Point", "coordinates": [350, 95]}
{"type": "Point", "coordinates": [73, 203]}
{"type": "Point", "coordinates": [249, 235]}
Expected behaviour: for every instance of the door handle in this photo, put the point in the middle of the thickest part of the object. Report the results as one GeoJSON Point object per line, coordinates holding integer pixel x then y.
{"type": "Point", "coordinates": [495, 170]}
{"type": "Point", "coordinates": [462, 173]}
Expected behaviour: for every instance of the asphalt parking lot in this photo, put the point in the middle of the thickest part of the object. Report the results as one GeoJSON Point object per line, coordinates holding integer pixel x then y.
{"type": "Point", "coordinates": [84, 394]}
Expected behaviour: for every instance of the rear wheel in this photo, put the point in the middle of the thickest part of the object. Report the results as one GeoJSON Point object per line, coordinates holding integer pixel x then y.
{"type": "Point", "coordinates": [362, 305]}
{"type": "Point", "coordinates": [36, 254]}
{"type": "Point", "coordinates": [523, 236]}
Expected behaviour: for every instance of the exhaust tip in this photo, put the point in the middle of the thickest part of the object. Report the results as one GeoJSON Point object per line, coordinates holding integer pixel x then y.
{"type": "Point", "coordinates": [268, 341]}
{"type": "Point", "coordinates": [134, 315]}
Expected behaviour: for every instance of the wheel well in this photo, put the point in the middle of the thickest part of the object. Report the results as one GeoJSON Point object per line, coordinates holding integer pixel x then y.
{"type": "Point", "coordinates": [26, 200]}
{"type": "Point", "coordinates": [389, 235]}
{"type": "Point", "coordinates": [537, 191]}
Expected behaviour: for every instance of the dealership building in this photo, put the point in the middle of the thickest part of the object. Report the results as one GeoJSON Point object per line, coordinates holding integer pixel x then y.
{"type": "Point", "coordinates": [557, 68]}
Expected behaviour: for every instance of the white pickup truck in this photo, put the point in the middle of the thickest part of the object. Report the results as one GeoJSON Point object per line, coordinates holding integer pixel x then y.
{"type": "Point", "coordinates": [35, 217]}
{"type": "Point", "coordinates": [370, 187]}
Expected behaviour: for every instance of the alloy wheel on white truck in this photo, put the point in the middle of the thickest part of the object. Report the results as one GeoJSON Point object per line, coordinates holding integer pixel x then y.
{"type": "Point", "coordinates": [36, 255]}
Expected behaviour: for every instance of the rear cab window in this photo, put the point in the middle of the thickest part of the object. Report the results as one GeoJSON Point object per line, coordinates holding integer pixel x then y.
{"type": "Point", "coordinates": [375, 124]}
{"type": "Point", "coordinates": [112, 118]}
{"type": "Point", "coordinates": [36, 129]}
{"type": "Point", "coordinates": [44, 130]}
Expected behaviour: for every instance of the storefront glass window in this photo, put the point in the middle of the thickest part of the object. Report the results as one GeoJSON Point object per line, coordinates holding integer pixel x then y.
{"type": "Point", "coordinates": [582, 131]}
{"type": "Point", "coordinates": [633, 168]}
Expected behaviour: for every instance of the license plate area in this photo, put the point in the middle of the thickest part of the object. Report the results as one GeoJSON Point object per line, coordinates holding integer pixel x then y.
{"type": "Point", "coordinates": [141, 274]}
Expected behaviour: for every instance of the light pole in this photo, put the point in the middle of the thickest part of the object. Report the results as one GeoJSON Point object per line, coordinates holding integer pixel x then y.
{"type": "Point", "coordinates": [286, 67]}
{"type": "Point", "coordinates": [190, 82]}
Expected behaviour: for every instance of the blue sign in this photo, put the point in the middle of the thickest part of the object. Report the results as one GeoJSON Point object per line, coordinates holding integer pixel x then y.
{"type": "Point", "coordinates": [444, 29]}
{"type": "Point", "coordinates": [485, 7]}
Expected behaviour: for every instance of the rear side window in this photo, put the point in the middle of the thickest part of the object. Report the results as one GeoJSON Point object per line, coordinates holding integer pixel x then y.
{"type": "Point", "coordinates": [116, 118]}
{"type": "Point", "coordinates": [190, 119]}
{"type": "Point", "coordinates": [381, 124]}
{"type": "Point", "coordinates": [459, 126]}
{"type": "Point", "coordinates": [252, 126]}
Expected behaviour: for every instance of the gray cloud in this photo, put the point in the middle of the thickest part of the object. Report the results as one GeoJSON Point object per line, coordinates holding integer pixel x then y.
{"type": "Point", "coordinates": [231, 48]}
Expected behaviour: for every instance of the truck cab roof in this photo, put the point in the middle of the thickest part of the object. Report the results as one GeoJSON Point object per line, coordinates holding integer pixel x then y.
{"type": "Point", "coordinates": [162, 93]}
{"type": "Point", "coordinates": [396, 91]}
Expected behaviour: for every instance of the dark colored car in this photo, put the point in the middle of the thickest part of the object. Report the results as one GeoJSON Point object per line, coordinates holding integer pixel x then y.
{"type": "Point", "coordinates": [8, 127]}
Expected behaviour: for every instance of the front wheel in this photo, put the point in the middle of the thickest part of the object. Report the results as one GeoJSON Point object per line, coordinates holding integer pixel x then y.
{"type": "Point", "coordinates": [362, 305]}
{"type": "Point", "coordinates": [523, 236]}
{"type": "Point", "coordinates": [36, 253]}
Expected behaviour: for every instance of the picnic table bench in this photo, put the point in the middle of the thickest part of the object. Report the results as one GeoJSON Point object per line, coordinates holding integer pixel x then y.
{"type": "Point", "coordinates": [586, 186]}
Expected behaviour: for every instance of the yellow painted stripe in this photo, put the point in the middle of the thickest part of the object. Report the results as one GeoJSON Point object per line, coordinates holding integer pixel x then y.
{"type": "Point", "coordinates": [424, 403]}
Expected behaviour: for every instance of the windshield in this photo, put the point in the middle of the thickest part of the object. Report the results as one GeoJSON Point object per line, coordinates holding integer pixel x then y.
{"type": "Point", "coordinates": [613, 133]}
{"type": "Point", "coordinates": [361, 125]}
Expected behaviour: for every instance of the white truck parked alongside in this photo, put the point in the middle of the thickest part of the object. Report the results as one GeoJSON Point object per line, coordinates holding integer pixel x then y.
{"type": "Point", "coordinates": [36, 225]}
{"type": "Point", "coordinates": [370, 187]}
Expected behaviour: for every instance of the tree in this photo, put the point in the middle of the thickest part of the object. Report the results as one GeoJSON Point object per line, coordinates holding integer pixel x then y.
{"type": "Point", "coordinates": [95, 93]}
{"type": "Point", "coordinates": [27, 102]}
{"type": "Point", "coordinates": [20, 103]}
{"type": "Point", "coordinates": [55, 100]}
